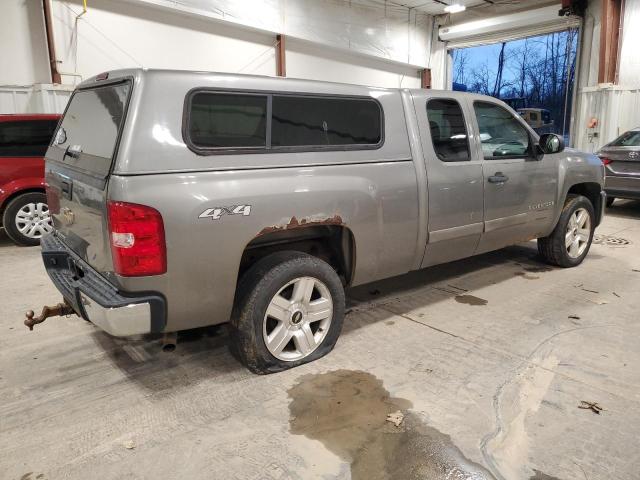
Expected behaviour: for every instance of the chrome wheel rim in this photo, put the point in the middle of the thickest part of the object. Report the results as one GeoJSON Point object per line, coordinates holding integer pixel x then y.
{"type": "Point", "coordinates": [297, 319]}
{"type": "Point", "coordinates": [578, 233]}
{"type": "Point", "coordinates": [33, 220]}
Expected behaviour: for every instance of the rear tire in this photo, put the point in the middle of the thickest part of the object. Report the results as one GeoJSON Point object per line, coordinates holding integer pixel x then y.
{"type": "Point", "coordinates": [610, 201]}
{"type": "Point", "coordinates": [289, 311]}
{"type": "Point", "coordinates": [571, 239]}
{"type": "Point", "coordinates": [26, 219]}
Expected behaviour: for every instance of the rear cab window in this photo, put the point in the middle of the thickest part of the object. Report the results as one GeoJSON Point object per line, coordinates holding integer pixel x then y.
{"type": "Point", "coordinates": [448, 130]}
{"type": "Point", "coordinates": [26, 138]}
{"type": "Point", "coordinates": [224, 122]}
{"type": "Point", "coordinates": [91, 126]}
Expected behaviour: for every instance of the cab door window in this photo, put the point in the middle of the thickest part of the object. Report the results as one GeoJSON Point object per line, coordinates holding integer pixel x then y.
{"type": "Point", "coordinates": [501, 134]}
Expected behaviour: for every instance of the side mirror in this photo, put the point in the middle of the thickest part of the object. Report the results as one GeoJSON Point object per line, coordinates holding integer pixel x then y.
{"type": "Point", "coordinates": [550, 143]}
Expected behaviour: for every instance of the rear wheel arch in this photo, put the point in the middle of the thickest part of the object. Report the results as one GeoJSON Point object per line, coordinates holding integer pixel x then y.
{"type": "Point", "coordinates": [335, 244]}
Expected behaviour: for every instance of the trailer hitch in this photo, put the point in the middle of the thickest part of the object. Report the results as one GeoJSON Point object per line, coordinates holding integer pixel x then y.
{"type": "Point", "coordinates": [60, 310]}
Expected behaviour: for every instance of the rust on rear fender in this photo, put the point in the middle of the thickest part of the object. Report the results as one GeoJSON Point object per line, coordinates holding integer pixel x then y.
{"type": "Point", "coordinates": [304, 222]}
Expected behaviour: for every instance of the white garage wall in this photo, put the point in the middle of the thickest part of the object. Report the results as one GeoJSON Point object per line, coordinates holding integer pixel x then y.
{"type": "Point", "coordinates": [370, 42]}
{"type": "Point", "coordinates": [22, 43]}
{"type": "Point", "coordinates": [629, 69]}
{"type": "Point", "coordinates": [380, 28]}
{"type": "Point", "coordinates": [615, 107]}
{"type": "Point", "coordinates": [115, 35]}
{"type": "Point", "coordinates": [356, 43]}
{"type": "Point", "coordinates": [311, 61]}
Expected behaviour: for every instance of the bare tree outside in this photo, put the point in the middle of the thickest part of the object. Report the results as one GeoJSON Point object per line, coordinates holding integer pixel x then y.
{"type": "Point", "coordinates": [532, 74]}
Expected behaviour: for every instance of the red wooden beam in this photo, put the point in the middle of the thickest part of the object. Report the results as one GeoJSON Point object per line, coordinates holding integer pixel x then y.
{"type": "Point", "coordinates": [609, 34]}
{"type": "Point", "coordinates": [53, 61]}
{"type": "Point", "coordinates": [425, 78]}
{"type": "Point", "coordinates": [281, 57]}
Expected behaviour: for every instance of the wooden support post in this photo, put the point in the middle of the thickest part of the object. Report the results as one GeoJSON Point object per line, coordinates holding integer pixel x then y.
{"type": "Point", "coordinates": [609, 34]}
{"type": "Point", "coordinates": [281, 57]}
{"type": "Point", "coordinates": [425, 78]}
{"type": "Point", "coordinates": [48, 26]}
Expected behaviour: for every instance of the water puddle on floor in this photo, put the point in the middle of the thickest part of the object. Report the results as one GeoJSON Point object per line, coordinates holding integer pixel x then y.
{"type": "Point", "coordinates": [347, 411]}
{"type": "Point", "coordinates": [470, 300]}
{"type": "Point", "coordinates": [538, 269]}
{"type": "Point", "coordinates": [527, 276]}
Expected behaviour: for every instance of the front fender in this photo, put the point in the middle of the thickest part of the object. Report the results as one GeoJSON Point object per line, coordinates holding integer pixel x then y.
{"type": "Point", "coordinates": [576, 169]}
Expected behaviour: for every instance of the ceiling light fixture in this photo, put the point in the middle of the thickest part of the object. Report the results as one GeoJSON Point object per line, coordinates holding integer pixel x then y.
{"type": "Point", "coordinates": [455, 8]}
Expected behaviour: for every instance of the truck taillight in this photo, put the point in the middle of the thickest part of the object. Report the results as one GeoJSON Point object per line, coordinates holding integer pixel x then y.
{"type": "Point", "coordinates": [137, 239]}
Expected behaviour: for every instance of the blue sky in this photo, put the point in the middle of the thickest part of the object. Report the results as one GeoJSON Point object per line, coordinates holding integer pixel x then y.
{"type": "Point", "coordinates": [477, 56]}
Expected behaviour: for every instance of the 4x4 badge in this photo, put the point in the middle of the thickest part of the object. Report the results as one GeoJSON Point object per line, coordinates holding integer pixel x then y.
{"type": "Point", "coordinates": [217, 212]}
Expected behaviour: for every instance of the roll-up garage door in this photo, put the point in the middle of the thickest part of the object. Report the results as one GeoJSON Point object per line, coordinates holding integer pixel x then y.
{"type": "Point", "coordinates": [503, 28]}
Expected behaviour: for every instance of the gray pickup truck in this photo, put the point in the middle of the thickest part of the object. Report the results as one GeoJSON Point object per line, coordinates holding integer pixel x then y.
{"type": "Point", "coordinates": [186, 199]}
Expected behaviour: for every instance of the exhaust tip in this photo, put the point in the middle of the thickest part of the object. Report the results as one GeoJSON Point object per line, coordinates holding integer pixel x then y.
{"type": "Point", "coordinates": [169, 341]}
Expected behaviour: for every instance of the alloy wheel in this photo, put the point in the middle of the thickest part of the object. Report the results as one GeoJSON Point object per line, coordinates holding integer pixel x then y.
{"type": "Point", "coordinates": [297, 319]}
{"type": "Point", "coordinates": [578, 233]}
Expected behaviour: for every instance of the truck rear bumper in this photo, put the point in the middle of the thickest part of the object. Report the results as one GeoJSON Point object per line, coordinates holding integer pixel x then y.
{"type": "Point", "coordinates": [96, 299]}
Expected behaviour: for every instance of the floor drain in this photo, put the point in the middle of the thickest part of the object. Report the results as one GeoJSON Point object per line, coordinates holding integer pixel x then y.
{"type": "Point", "coordinates": [613, 241]}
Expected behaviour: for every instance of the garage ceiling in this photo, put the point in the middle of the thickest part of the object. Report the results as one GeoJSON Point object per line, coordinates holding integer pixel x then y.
{"type": "Point", "coordinates": [474, 7]}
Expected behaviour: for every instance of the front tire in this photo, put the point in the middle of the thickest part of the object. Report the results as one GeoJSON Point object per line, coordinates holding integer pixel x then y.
{"type": "Point", "coordinates": [26, 219]}
{"type": "Point", "coordinates": [289, 311]}
{"type": "Point", "coordinates": [570, 241]}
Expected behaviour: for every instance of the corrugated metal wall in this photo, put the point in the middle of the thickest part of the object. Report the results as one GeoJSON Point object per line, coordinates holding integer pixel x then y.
{"type": "Point", "coordinates": [617, 110]}
{"type": "Point", "coordinates": [616, 107]}
{"type": "Point", "coordinates": [36, 99]}
{"type": "Point", "coordinates": [629, 68]}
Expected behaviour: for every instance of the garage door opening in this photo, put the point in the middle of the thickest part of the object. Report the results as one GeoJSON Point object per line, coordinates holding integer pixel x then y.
{"type": "Point", "coordinates": [534, 75]}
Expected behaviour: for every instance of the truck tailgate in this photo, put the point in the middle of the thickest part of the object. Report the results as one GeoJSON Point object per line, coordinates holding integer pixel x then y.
{"type": "Point", "coordinates": [77, 169]}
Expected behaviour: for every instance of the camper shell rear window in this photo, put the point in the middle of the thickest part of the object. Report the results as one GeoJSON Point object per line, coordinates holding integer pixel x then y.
{"type": "Point", "coordinates": [92, 124]}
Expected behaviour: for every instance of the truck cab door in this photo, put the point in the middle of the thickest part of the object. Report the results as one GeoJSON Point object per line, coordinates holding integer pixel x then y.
{"type": "Point", "coordinates": [520, 187]}
{"type": "Point", "coordinates": [454, 178]}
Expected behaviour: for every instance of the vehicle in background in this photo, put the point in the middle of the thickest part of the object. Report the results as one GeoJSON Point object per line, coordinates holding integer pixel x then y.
{"type": "Point", "coordinates": [186, 199]}
{"type": "Point", "coordinates": [539, 119]}
{"type": "Point", "coordinates": [621, 160]}
{"type": "Point", "coordinates": [516, 102]}
{"type": "Point", "coordinates": [24, 139]}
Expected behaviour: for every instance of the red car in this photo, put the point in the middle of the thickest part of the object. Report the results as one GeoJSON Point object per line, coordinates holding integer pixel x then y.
{"type": "Point", "coordinates": [23, 205]}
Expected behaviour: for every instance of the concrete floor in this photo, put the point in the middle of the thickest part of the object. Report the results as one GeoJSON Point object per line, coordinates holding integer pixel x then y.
{"type": "Point", "coordinates": [488, 359]}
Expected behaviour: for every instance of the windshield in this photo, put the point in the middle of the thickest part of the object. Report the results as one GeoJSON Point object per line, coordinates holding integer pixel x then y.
{"type": "Point", "coordinates": [91, 125]}
{"type": "Point", "coordinates": [627, 139]}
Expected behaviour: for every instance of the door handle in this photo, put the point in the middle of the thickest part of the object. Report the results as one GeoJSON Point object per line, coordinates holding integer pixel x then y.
{"type": "Point", "coordinates": [66, 187]}
{"type": "Point", "coordinates": [498, 177]}
{"type": "Point", "coordinates": [73, 151]}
